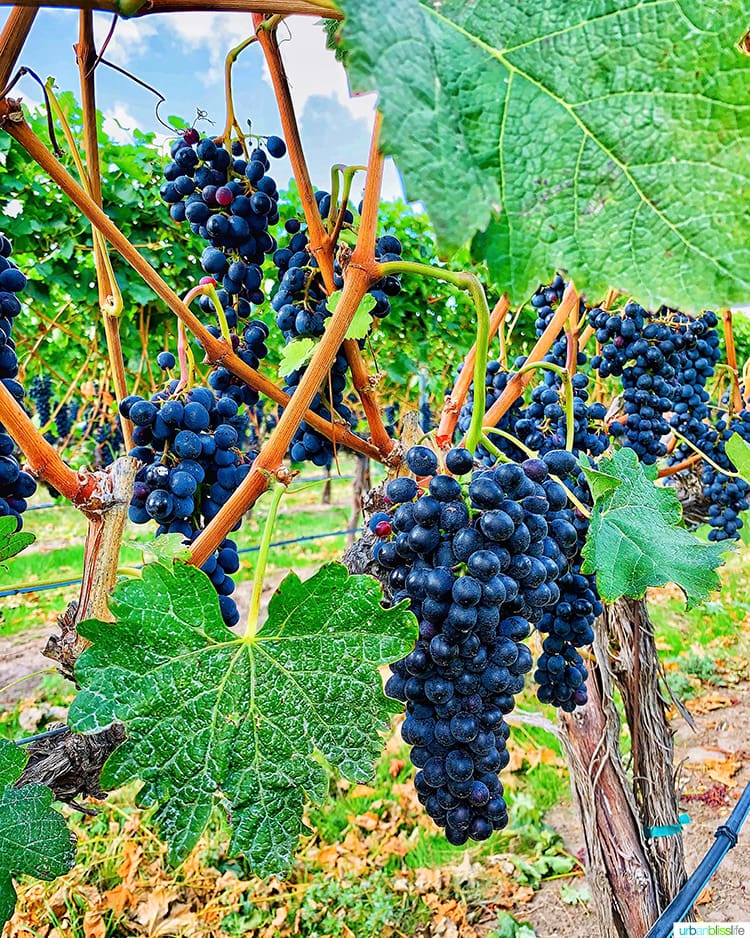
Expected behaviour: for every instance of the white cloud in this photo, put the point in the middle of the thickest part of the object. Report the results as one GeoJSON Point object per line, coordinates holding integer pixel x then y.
{"type": "Point", "coordinates": [119, 123]}
{"type": "Point", "coordinates": [312, 69]}
{"type": "Point", "coordinates": [217, 33]}
{"type": "Point", "coordinates": [130, 39]}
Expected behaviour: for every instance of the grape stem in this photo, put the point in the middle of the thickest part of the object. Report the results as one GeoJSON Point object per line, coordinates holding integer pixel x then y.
{"type": "Point", "coordinates": [277, 492]}
{"type": "Point", "coordinates": [455, 401]}
{"type": "Point", "coordinates": [727, 472]}
{"type": "Point", "coordinates": [509, 436]}
{"type": "Point", "coordinates": [231, 121]}
{"type": "Point", "coordinates": [567, 382]}
{"type": "Point", "coordinates": [493, 450]}
{"type": "Point", "coordinates": [464, 281]}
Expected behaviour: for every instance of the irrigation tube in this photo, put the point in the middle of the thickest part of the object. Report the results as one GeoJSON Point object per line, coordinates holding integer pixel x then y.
{"type": "Point", "coordinates": [726, 838]}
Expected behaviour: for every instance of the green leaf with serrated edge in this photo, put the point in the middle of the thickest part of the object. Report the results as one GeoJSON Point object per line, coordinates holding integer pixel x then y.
{"type": "Point", "coordinates": [211, 715]}
{"type": "Point", "coordinates": [600, 483]}
{"type": "Point", "coordinates": [362, 321]}
{"type": "Point", "coordinates": [296, 355]}
{"type": "Point", "coordinates": [635, 539]}
{"type": "Point", "coordinates": [739, 452]}
{"type": "Point", "coordinates": [12, 542]}
{"type": "Point", "coordinates": [33, 837]}
{"type": "Point", "coordinates": [609, 138]}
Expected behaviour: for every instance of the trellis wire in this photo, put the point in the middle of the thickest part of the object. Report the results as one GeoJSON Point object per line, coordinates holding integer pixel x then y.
{"type": "Point", "coordinates": [41, 587]}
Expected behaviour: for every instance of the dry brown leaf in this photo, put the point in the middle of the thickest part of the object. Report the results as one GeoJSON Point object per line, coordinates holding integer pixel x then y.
{"type": "Point", "coordinates": [119, 898]}
{"type": "Point", "coordinates": [93, 925]}
{"type": "Point", "coordinates": [133, 855]}
{"type": "Point", "coordinates": [395, 767]}
{"type": "Point", "coordinates": [721, 770]}
{"type": "Point", "coordinates": [362, 791]}
{"type": "Point", "coordinates": [369, 821]}
{"type": "Point", "coordinates": [716, 700]}
{"type": "Point", "coordinates": [154, 908]}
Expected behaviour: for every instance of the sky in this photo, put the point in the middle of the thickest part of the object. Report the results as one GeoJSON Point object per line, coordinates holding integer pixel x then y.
{"type": "Point", "coordinates": [182, 56]}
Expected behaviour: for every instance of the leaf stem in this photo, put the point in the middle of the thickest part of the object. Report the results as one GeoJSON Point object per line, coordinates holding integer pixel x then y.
{"type": "Point", "coordinates": [465, 281]}
{"type": "Point", "coordinates": [493, 450]}
{"type": "Point", "coordinates": [277, 493]}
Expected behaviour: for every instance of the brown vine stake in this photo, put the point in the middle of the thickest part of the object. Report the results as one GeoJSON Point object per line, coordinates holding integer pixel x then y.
{"type": "Point", "coordinates": [217, 351]}
{"type": "Point", "coordinates": [454, 403]}
{"type": "Point", "coordinates": [321, 243]}
{"type": "Point", "coordinates": [86, 57]}
{"type": "Point", "coordinates": [360, 275]}
{"type": "Point", "coordinates": [518, 381]}
{"type": "Point", "coordinates": [12, 40]}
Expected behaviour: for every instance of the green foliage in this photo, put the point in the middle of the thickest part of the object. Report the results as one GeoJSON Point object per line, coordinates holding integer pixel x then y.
{"type": "Point", "coordinates": [510, 927]}
{"type": "Point", "coordinates": [208, 712]}
{"type": "Point", "coordinates": [33, 838]}
{"type": "Point", "coordinates": [635, 539]}
{"type": "Point", "coordinates": [52, 245]}
{"type": "Point", "coordinates": [571, 136]}
{"type": "Point", "coordinates": [12, 542]}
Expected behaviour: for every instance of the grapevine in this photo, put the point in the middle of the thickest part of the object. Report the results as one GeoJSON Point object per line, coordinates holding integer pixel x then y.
{"type": "Point", "coordinates": [503, 531]}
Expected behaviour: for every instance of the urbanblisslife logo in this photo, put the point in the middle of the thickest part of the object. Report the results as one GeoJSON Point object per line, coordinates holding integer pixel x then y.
{"type": "Point", "coordinates": [712, 929]}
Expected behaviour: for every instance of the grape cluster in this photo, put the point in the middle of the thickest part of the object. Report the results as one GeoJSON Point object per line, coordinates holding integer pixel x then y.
{"type": "Point", "coordinates": [728, 495]}
{"type": "Point", "coordinates": [230, 201]}
{"type": "Point", "coordinates": [16, 486]}
{"type": "Point", "coordinates": [568, 625]}
{"type": "Point", "coordinates": [188, 443]}
{"type": "Point", "coordinates": [663, 371]}
{"type": "Point", "coordinates": [477, 564]}
{"type": "Point", "coordinates": [40, 394]}
{"type": "Point", "coordinates": [301, 306]}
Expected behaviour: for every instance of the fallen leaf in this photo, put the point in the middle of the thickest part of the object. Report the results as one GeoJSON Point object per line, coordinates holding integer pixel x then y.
{"type": "Point", "coordinates": [93, 925]}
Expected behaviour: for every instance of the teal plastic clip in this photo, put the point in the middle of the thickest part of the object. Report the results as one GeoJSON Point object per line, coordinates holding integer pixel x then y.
{"type": "Point", "coordinates": [667, 830]}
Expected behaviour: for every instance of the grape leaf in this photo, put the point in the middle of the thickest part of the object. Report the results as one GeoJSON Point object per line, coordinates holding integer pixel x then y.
{"type": "Point", "coordinates": [739, 452]}
{"type": "Point", "coordinates": [213, 715]}
{"type": "Point", "coordinates": [362, 321]}
{"type": "Point", "coordinates": [165, 548]}
{"type": "Point", "coordinates": [609, 138]}
{"type": "Point", "coordinates": [295, 355]}
{"type": "Point", "coordinates": [635, 539]}
{"type": "Point", "coordinates": [33, 837]}
{"type": "Point", "coordinates": [600, 483]}
{"type": "Point", "coordinates": [12, 542]}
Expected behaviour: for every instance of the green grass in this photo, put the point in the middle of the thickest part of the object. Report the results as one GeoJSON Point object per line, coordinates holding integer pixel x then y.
{"type": "Point", "coordinates": [60, 530]}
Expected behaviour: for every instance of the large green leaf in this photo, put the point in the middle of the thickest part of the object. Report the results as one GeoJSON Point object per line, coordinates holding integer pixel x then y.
{"type": "Point", "coordinates": [33, 837]}
{"type": "Point", "coordinates": [636, 540]}
{"type": "Point", "coordinates": [611, 138]}
{"type": "Point", "coordinates": [212, 714]}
